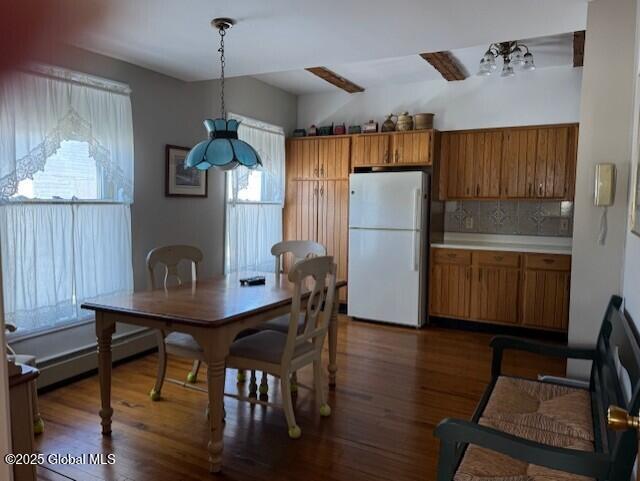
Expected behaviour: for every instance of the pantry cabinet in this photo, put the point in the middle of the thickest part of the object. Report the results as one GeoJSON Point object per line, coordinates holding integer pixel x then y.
{"type": "Point", "coordinates": [316, 198]}
{"type": "Point", "coordinates": [509, 163]}
{"type": "Point", "coordinates": [511, 288]}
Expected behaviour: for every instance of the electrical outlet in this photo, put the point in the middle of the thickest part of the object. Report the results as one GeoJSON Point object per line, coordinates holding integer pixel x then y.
{"type": "Point", "coordinates": [468, 223]}
{"type": "Point", "coordinates": [564, 225]}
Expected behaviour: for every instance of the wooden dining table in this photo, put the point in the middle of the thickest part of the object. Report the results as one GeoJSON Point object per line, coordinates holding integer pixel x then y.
{"type": "Point", "coordinates": [214, 311]}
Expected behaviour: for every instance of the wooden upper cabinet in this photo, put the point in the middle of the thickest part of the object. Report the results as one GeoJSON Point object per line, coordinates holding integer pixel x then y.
{"type": "Point", "coordinates": [413, 147]}
{"type": "Point", "coordinates": [370, 149]}
{"type": "Point", "coordinates": [397, 148]}
{"type": "Point", "coordinates": [509, 163]}
{"type": "Point", "coordinates": [519, 147]}
{"type": "Point", "coordinates": [320, 158]}
{"type": "Point", "coordinates": [333, 158]}
{"type": "Point", "coordinates": [302, 159]}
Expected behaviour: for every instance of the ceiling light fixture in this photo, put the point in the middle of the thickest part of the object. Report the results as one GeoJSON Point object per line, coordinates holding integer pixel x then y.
{"type": "Point", "coordinates": [514, 54]}
{"type": "Point", "coordinates": [222, 149]}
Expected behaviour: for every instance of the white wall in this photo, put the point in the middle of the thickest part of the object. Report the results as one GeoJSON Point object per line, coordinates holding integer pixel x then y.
{"type": "Point", "coordinates": [549, 95]}
{"type": "Point", "coordinates": [605, 136]}
{"type": "Point", "coordinates": [631, 273]}
{"type": "Point", "coordinates": [165, 111]}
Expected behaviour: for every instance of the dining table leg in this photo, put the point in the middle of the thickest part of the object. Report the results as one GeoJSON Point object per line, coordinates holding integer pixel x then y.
{"type": "Point", "coordinates": [104, 332]}
{"type": "Point", "coordinates": [333, 344]}
{"type": "Point", "coordinates": [216, 347]}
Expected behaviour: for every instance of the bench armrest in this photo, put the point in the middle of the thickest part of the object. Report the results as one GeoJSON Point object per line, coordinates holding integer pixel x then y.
{"type": "Point", "coordinates": [500, 343]}
{"type": "Point", "coordinates": [454, 431]}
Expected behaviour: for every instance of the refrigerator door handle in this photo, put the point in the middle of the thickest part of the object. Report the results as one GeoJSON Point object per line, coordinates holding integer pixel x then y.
{"type": "Point", "coordinates": [417, 196]}
{"type": "Point", "coordinates": [416, 208]}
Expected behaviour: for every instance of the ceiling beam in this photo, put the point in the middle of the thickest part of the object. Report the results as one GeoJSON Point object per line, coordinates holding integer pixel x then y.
{"type": "Point", "coordinates": [448, 66]}
{"type": "Point", "coordinates": [578, 48]}
{"type": "Point", "coordinates": [334, 79]}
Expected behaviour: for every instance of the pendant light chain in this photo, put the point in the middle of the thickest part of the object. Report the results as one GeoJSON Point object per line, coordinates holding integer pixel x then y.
{"type": "Point", "coordinates": [223, 32]}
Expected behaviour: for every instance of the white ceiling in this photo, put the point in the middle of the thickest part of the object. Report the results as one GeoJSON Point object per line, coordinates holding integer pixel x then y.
{"type": "Point", "coordinates": [174, 36]}
{"type": "Point", "coordinates": [550, 51]}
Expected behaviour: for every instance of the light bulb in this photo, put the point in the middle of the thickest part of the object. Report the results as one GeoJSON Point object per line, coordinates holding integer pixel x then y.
{"type": "Point", "coordinates": [507, 69]}
{"type": "Point", "coordinates": [484, 70]}
{"type": "Point", "coordinates": [517, 58]}
{"type": "Point", "coordinates": [528, 62]}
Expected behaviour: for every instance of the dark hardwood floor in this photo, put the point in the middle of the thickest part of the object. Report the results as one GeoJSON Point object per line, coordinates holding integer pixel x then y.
{"type": "Point", "coordinates": [394, 386]}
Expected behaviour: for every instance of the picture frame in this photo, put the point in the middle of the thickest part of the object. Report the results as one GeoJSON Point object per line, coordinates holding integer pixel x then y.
{"type": "Point", "coordinates": [181, 182]}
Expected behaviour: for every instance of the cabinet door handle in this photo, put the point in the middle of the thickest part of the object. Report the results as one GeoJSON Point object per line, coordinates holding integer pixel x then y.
{"type": "Point", "coordinates": [540, 190]}
{"type": "Point", "coordinates": [530, 185]}
{"type": "Point", "coordinates": [452, 256]}
{"type": "Point", "coordinates": [315, 172]}
{"type": "Point", "coordinates": [397, 157]}
{"type": "Point", "coordinates": [478, 190]}
{"type": "Point", "coordinates": [385, 159]}
{"type": "Point", "coordinates": [467, 273]}
{"type": "Point", "coordinates": [499, 258]}
{"type": "Point", "coordinates": [479, 275]}
{"type": "Point", "coordinates": [322, 191]}
{"type": "Point", "coordinates": [548, 261]}
{"type": "Point", "coordinates": [322, 171]}
{"type": "Point", "coordinates": [315, 192]}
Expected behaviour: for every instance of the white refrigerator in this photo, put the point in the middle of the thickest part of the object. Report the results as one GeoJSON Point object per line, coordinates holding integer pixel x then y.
{"type": "Point", "coordinates": [388, 246]}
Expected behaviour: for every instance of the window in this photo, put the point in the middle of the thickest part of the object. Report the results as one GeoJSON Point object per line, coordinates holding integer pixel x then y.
{"type": "Point", "coordinates": [69, 173]}
{"type": "Point", "coordinates": [254, 200]}
{"type": "Point", "coordinates": [66, 184]}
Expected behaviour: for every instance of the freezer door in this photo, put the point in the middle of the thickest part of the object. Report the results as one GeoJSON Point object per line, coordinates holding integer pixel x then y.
{"type": "Point", "coordinates": [387, 200]}
{"type": "Point", "coordinates": [384, 276]}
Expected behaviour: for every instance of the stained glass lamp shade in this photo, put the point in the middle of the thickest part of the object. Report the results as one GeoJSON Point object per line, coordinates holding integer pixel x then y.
{"type": "Point", "coordinates": [223, 149]}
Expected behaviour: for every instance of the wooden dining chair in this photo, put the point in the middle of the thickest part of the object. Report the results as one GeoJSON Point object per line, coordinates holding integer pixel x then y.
{"type": "Point", "coordinates": [178, 344]}
{"type": "Point", "coordinates": [281, 354]}
{"type": "Point", "coordinates": [28, 360]}
{"type": "Point", "coordinates": [298, 250]}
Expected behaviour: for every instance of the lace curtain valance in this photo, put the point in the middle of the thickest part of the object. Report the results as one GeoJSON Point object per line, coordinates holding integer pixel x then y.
{"type": "Point", "coordinates": [268, 140]}
{"type": "Point", "coordinates": [44, 106]}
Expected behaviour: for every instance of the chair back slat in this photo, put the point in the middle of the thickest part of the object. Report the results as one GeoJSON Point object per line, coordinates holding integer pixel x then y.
{"type": "Point", "coordinates": [317, 277]}
{"type": "Point", "coordinates": [170, 257]}
{"type": "Point", "coordinates": [298, 249]}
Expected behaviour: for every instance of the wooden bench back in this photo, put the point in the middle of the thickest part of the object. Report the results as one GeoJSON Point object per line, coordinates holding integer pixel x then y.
{"type": "Point", "coordinates": [617, 340]}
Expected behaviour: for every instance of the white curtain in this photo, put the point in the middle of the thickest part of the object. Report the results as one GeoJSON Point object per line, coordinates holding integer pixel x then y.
{"type": "Point", "coordinates": [57, 256]}
{"type": "Point", "coordinates": [255, 199]}
{"type": "Point", "coordinates": [45, 105]}
{"type": "Point", "coordinates": [61, 243]}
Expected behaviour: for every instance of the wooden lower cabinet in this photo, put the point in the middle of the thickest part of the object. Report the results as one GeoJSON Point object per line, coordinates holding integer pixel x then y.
{"type": "Point", "coordinates": [450, 290]}
{"type": "Point", "coordinates": [512, 288]}
{"type": "Point", "coordinates": [546, 292]}
{"type": "Point", "coordinates": [494, 294]}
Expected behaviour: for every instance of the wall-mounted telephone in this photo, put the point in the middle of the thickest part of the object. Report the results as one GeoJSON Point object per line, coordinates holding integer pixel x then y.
{"type": "Point", "coordinates": [604, 194]}
{"type": "Point", "coordinates": [605, 188]}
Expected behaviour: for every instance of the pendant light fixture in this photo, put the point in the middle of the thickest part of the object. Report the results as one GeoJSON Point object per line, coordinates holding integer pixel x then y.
{"type": "Point", "coordinates": [514, 54]}
{"type": "Point", "coordinates": [222, 149]}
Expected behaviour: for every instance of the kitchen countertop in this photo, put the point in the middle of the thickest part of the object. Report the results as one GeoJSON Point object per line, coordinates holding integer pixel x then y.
{"type": "Point", "coordinates": [542, 245]}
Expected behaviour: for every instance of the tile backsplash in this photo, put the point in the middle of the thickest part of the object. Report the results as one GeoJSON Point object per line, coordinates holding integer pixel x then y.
{"type": "Point", "coordinates": [511, 217]}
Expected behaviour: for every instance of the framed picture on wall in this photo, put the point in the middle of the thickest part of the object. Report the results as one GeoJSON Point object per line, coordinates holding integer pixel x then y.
{"type": "Point", "coordinates": [181, 182]}
{"type": "Point", "coordinates": [635, 197]}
